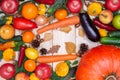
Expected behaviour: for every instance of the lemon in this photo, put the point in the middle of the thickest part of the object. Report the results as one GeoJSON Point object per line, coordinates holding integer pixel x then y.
{"type": "Point", "coordinates": [31, 53]}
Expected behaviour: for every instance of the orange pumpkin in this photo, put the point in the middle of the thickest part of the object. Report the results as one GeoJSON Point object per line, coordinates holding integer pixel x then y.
{"type": "Point", "coordinates": [100, 63]}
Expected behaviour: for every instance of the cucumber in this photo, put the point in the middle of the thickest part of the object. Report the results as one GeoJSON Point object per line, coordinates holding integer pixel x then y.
{"type": "Point", "coordinates": [114, 34]}
{"type": "Point", "coordinates": [15, 38]}
{"type": "Point", "coordinates": [110, 40]}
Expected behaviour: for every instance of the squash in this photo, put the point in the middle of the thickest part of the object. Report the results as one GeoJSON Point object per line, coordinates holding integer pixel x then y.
{"type": "Point", "coordinates": [94, 8]}
{"type": "Point", "coordinates": [100, 63]}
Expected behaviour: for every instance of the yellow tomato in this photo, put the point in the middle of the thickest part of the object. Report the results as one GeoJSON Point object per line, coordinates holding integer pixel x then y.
{"type": "Point", "coordinates": [62, 69]}
{"type": "Point", "coordinates": [31, 53]}
{"type": "Point", "coordinates": [33, 77]}
{"type": "Point", "coordinates": [7, 31]}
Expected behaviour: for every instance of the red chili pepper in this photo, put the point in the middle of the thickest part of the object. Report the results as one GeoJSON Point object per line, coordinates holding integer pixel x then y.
{"type": "Point", "coordinates": [104, 26]}
{"type": "Point", "coordinates": [23, 24]}
{"type": "Point", "coordinates": [21, 55]}
{"type": "Point", "coordinates": [49, 2]}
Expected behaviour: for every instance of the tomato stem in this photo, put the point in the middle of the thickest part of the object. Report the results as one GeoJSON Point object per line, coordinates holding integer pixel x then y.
{"type": "Point", "coordinates": [111, 77]}
{"type": "Point", "coordinates": [114, 1]}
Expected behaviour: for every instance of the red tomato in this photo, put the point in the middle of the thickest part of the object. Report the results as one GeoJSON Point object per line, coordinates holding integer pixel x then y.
{"type": "Point", "coordinates": [74, 6]}
{"type": "Point", "coordinates": [113, 5]}
{"type": "Point", "coordinates": [43, 71]}
{"type": "Point", "coordinates": [9, 6]}
{"type": "Point", "coordinates": [7, 70]}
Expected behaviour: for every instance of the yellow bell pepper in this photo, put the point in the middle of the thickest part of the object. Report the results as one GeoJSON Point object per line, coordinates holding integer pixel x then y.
{"type": "Point", "coordinates": [102, 32]}
{"type": "Point", "coordinates": [41, 9]}
{"type": "Point", "coordinates": [8, 54]}
{"type": "Point", "coordinates": [9, 19]}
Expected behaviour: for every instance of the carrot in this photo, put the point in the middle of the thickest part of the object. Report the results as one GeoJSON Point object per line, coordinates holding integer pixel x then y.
{"type": "Point", "coordinates": [62, 23]}
{"type": "Point", "coordinates": [55, 58]}
{"type": "Point", "coordinates": [6, 45]}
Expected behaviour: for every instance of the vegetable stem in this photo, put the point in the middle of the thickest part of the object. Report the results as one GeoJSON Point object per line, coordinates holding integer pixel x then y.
{"type": "Point", "coordinates": [111, 77]}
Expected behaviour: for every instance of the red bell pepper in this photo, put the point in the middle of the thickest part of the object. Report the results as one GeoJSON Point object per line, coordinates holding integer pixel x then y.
{"type": "Point", "coordinates": [49, 2]}
{"type": "Point", "coordinates": [23, 24]}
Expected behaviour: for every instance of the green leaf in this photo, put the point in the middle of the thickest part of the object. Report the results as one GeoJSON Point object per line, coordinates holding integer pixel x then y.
{"type": "Point", "coordinates": [54, 76]}
{"type": "Point", "coordinates": [2, 20]}
{"type": "Point", "coordinates": [18, 44]}
{"type": "Point", "coordinates": [75, 62]}
{"type": "Point", "coordinates": [68, 63]}
{"type": "Point", "coordinates": [1, 54]}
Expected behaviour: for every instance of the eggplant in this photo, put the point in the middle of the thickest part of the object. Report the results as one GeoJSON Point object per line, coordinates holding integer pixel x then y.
{"type": "Point", "coordinates": [89, 28]}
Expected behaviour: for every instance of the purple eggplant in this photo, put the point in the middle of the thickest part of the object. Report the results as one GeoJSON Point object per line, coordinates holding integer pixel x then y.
{"type": "Point", "coordinates": [89, 28]}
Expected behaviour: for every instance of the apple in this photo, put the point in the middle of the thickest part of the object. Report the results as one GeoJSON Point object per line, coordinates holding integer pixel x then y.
{"type": "Point", "coordinates": [7, 70]}
{"type": "Point", "coordinates": [106, 16]}
{"type": "Point", "coordinates": [43, 71]}
{"type": "Point", "coordinates": [21, 76]}
{"type": "Point", "coordinates": [116, 21]}
{"type": "Point", "coordinates": [9, 6]}
{"type": "Point", "coordinates": [113, 5]}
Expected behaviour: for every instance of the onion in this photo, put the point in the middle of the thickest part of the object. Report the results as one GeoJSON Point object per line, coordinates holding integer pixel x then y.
{"type": "Point", "coordinates": [41, 20]}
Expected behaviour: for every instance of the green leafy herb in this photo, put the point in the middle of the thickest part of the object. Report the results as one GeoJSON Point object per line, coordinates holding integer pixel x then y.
{"type": "Point", "coordinates": [58, 4]}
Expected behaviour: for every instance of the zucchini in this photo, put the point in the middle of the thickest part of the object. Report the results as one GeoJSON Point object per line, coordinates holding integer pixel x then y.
{"type": "Point", "coordinates": [15, 38]}
{"type": "Point", "coordinates": [110, 40]}
{"type": "Point", "coordinates": [114, 34]}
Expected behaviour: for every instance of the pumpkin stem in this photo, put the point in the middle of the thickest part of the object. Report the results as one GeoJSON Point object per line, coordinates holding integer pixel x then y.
{"type": "Point", "coordinates": [111, 77]}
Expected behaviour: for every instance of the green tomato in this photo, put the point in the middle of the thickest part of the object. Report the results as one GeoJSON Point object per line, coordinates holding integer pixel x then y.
{"type": "Point", "coordinates": [116, 22]}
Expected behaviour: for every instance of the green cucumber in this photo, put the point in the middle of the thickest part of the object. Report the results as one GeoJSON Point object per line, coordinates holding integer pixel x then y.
{"type": "Point", "coordinates": [114, 34]}
{"type": "Point", "coordinates": [110, 40]}
{"type": "Point", "coordinates": [15, 38]}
